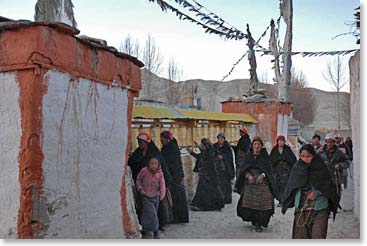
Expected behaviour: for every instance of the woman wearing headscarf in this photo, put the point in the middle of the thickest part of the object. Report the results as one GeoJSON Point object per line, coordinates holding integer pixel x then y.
{"type": "Point", "coordinates": [140, 159]}
{"type": "Point", "coordinates": [282, 160]}
{"type": "Point", "coordinates": [311, 191]}
{"type": "Point", "coordinates": [224, 166]}
{"type": "Point", "coordinates": [208, 196]}
{"type": "Point", "coordinates": [172, 156]}
{"type": "Point", "coordinates": [257, 187]}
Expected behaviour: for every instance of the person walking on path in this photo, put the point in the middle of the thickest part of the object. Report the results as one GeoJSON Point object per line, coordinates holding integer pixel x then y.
{"type": "Point", "coordinates": [257, 187]}
{"type": "Point", "coordinates": [311, 191]}
{"type": "Point", "coordinates": [346, 150]}
{"type": "Point", "coordinates": [241, 149]}
{"type": "Point", "coordinates": [316, 142]}
{"type": "Point", "coordinates": [172, 156]}
{"type": "Point", "coordinates": [224, 166]}
{"type": "Point", "coordinates": [335, 160]}
{"type": "Point", "coordinates": [152, 188]}
{"type": "Point", "coordinates": [208, 196]}
{"type": "Point", "coordinates": [282, 160]}
{"type": "Point", "coordinates": [349, 142]}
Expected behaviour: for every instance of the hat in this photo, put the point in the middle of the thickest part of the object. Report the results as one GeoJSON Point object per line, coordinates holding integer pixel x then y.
{"type": "Point", "coordinates": [337, 135]}
{"type": "Point", "coordinates": [144, 136]}
{"type": "Point", "coordinates": [330, 136]}
{"type": "Point", "coordinates": [257, 139]}
{"type": "Point", "coordinates": [244, 130]}
{"type": "Point", "coordinates": [280, 137]}
{"type": "Point", "coordinates": [221, 134]}
{"type": "Point", "coordinates": [167, 135]}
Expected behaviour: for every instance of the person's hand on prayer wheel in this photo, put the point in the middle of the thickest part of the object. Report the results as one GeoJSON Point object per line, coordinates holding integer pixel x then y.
{"type": "Point", "coordinates": [250, 179]}
{"type": "Point", "coordinates": [260, 179]}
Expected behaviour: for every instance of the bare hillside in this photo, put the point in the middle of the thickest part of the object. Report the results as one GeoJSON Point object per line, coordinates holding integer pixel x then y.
{"type": "Point", "coordinates": [212, 92]}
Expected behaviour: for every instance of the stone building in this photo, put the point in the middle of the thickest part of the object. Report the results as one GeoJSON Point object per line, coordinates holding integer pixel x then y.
{"type": "Point", "coordinates": [65, 115]}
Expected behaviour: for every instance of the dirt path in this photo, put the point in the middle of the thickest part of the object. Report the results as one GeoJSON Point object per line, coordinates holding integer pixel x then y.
{"type": "Point", "coordinates": [226, 224]}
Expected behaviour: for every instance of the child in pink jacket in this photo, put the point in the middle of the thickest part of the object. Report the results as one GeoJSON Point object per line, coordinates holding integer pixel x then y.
{"type": "Point", "coordinates": [150, 184]}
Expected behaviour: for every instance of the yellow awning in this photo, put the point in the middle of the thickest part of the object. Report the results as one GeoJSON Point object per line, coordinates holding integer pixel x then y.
{"type": "Point", "coordinates": [217, 116]}
{"type": "Point", "coordinates": [149, 112]}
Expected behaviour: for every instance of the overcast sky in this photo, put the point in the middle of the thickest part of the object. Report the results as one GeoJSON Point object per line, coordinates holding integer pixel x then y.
{"type": "Point", "coordinates": [208, 56]}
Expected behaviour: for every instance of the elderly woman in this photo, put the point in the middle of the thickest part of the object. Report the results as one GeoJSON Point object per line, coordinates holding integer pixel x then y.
{"type": "Point", "coordinates": [208, 196]}
{"type": "Point", "coordinates": [257, 187]}
{"type": "Point", "coordinates": [311, 191]}
{"type": "Point", "coordinates": [282, 160]}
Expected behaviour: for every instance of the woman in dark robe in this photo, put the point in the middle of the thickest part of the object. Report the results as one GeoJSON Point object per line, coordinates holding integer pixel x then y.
{"type": "Point", "coordinates": [139, 159]}
{"type": "Point", "coordinates": [172, 156]}
{"type": "Point", "coordinates": [257, 187]}
{"type": "Point", "coordinates": [208, 196]}
{"type": "Point", "coordinates": [241, 149]}
{"type": "Point", "coordinates": [224, 166]}
{"type": "Point", "coordinates": [282, 160]}
{"type": "Point", "coordinates": [311, 191]}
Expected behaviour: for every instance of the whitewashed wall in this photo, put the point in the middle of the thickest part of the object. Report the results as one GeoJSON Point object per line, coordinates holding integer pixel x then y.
{"type": "Point", "coordinates": [282, 127]}
{"type": "Point", "coordinates": [355, 102]}
{"type": "Point", "coordinates": [10, 134]}
{"type": "Point", "coordinates": [84, 140]}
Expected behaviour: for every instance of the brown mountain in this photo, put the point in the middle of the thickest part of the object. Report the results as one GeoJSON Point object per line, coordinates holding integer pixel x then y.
{"type": "Point", "coordinates": [211, 92]}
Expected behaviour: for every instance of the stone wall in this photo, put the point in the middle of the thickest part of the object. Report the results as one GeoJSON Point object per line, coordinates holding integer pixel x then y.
{"type": "Point", "coordinates": [65, 119]}
{"type": "Point", "coordinates": [10, 134]}
{"type": "Point", "coordinates": [354, 68]}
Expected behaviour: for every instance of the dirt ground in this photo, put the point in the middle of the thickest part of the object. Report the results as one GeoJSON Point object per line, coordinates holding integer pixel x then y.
{"type": "Point", "coordinates": [226, 224]}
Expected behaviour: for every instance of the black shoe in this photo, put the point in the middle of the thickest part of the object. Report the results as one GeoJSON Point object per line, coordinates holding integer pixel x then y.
{"type": "Point", "coordinates": [156, 235]}
{"type": "Point", "coordinates": [194, 208]}
{"type": "Point", "coordinates": [258, 228]}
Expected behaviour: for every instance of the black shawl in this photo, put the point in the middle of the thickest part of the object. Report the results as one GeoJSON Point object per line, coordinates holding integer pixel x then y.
{"type": "Point", "coordinates": [206, 162]}
{"type": "Point", "coordinates": [137, 161]}
{"type": "Point", "coordinates": [286, 156]}
{"type": "Point", "coordinates": [243, 144]}
{"type": "Point", "coordinates": [262, 162]}
{"type": "Point", "coordinates": [226, 152]}
{"type": "Point", "coordinates": [172, 156]}
{"type": "Point", "coordinates": [316, 175]}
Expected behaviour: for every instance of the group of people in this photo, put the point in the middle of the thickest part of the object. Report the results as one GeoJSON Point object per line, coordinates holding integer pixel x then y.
{"type": "Point", "coordinates": [311, 184]}
{"type": "Point", "coordinates": [160, 195]}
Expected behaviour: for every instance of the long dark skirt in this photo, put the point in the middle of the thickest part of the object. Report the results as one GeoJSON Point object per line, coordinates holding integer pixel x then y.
{"type": "Point", "coordinates": [180, 209]}
{"type": "Point", "coordinates": [256, 204]}
{"type": "Point", "coordinates": [165, 215]}
{"type": "Point", "coordinates": [226, 187]}
{"type": "Point", "coordinates": [149, 213]}
{"type": "Point", "coordinates": [208, 196]}
{"type": "Point", "coordinates": [281, 176]}
{"type": "Point", "coordinates": [315, 226]}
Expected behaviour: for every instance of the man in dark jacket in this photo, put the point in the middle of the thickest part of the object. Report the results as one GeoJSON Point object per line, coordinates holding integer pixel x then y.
{"type": "Point", "coordinates": [172, 157]}
{"type": "Point", "coordinates": [335, 160]}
